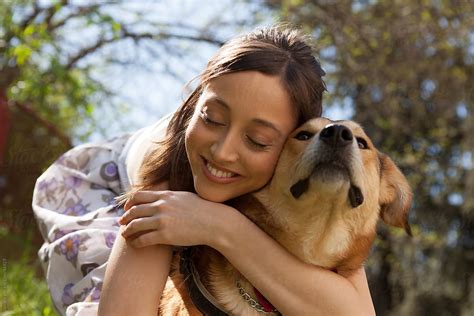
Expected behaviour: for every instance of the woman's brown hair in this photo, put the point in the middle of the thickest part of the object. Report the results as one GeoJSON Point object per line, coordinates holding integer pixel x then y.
{"type": "Point", "coordinates": [276, 50]}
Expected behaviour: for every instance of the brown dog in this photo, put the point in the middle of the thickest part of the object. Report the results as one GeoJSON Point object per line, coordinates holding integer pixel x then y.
{"type": "Point", "coordinates": [330, 187]}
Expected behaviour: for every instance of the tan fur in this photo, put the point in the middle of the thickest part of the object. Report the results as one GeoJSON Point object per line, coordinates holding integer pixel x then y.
{"type": "Point", "coordinates": [178, 302]}
{"type": "Point", "coordinates": [321, 226]}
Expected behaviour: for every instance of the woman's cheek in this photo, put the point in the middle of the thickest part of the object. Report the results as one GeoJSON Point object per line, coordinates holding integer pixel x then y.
{"type": "Point", "coordinates": [190, 130]}
{"type": "Point", "coordinates": [266, 167]}
{"type": "Point", "coordinates": [194, 134]}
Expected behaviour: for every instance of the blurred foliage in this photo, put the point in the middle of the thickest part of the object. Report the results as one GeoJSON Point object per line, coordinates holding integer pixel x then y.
{"type": "Point", "coordinates": [27, 294]}
{"type": "Point", "coordinates": [407, 69]}
{"type": "Point", "coordinates": [44, 97]}
{"type": "Point", "coordinates": [38, 74]}
{"type": "Point", "coordinates": [23, 290]}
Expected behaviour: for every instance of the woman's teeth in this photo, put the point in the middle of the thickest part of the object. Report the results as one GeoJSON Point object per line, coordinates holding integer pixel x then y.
{"type": "Point", "coordinates": [219, 173]}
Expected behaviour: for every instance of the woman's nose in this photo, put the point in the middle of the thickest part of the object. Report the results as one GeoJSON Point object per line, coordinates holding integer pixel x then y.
{"type": "Point", "coordinates": [225, 149]}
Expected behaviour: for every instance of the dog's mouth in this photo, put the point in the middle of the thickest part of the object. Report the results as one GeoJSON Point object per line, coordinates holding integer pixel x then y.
{"type": "Point", "coordinates": [355, 196]}
{"type": "Point", "coordinates": [330, 170]}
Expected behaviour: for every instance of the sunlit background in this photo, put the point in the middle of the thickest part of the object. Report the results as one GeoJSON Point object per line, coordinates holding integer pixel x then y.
{"type": "Point", "coordinates": [80, 71]}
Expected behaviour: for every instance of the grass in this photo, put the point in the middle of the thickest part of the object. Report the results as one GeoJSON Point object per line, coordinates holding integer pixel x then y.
{"type": "Point", "coordinates": [22, 291]}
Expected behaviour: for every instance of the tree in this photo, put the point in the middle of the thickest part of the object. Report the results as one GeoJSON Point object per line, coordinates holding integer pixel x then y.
{"type": "Point", "coordinates": [407, 69]}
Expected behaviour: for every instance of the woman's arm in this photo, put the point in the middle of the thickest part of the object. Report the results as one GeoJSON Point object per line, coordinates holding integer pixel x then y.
{"type": "Point", "coordinates": [293, 287]}
{"type": "Point", "coordinates": [134, 279]}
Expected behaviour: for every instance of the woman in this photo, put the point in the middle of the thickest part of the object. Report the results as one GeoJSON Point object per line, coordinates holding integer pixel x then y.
{"type": "Point", "coordinates": [224, 141]}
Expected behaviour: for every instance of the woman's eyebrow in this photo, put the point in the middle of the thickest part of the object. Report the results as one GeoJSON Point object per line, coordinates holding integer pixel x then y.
{"type": "Point", "coordinates": [218, 100]}
{"type": "Point", "coordinates": [267, 124]}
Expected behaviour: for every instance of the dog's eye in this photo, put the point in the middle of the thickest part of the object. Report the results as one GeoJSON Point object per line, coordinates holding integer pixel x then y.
{"type": "Point", "coordinates": [304, 135]}
{"type": "Point", "coordinates": [362, 143]}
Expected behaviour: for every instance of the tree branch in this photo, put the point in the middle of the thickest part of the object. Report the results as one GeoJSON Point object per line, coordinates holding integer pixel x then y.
{"type": "Point", "coordinates": [80, 11]}
{"type": "Point", "coordinates": [36, 10]}
{"type": "Point", "coordinates": [86, 51]}
{"type": "Point", "coordinates": [45, 123]}
{"type": "Point", "coordinates": [163, 35]}
{"type": "Point", "coordinates": [136, 37]}
{"type": "Point", "coordinates": [52, 11]}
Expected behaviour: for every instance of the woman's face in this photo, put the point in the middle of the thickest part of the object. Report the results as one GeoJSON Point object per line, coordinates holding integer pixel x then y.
{"type": "Point", "coordinates": [236, 134]}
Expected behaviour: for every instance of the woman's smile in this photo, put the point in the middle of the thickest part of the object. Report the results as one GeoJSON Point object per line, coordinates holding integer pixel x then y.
{"type": "Point", "coordinates": [218, 174]}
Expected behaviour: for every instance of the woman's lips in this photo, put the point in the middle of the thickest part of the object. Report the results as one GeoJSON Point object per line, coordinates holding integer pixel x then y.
{"type": "Point", "coordinates": [221, 180]}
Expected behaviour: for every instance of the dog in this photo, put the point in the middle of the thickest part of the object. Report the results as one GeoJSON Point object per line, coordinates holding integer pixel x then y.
{"type": "Point", "coordinates": [329, 189]}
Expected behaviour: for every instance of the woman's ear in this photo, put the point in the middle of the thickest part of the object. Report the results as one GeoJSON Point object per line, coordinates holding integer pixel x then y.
{"type": "Point", "coordinates": [395, 194]}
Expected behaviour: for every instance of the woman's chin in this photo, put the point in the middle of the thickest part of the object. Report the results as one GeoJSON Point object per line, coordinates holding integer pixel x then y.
{"type": "Point", "coordinates": [212, 195]}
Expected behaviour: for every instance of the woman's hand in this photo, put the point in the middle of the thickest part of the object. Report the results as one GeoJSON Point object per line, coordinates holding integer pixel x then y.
{"type": "Point", "coordinates": [172, 217]}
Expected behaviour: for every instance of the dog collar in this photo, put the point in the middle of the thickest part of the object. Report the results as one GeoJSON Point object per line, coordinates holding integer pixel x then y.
{"type": "Point", "coordinates": [261, 304]}
{"type": "Point", "coordinates": [200, 296]}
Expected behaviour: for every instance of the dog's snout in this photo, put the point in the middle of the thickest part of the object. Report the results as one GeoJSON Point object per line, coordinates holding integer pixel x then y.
{"type": "Point", "coordinates": [336, 135]}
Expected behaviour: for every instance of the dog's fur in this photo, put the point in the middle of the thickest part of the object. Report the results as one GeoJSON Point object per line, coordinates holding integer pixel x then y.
{"type": "Point", "coordinates": [322, 204]}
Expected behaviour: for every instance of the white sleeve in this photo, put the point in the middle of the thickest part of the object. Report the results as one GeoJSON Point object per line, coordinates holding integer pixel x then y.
{"type": "Point", "coordinates": [74, 206]}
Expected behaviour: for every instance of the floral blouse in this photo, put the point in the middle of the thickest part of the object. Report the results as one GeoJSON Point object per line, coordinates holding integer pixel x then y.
{"type": "Point", "coordinates": [73, 203]}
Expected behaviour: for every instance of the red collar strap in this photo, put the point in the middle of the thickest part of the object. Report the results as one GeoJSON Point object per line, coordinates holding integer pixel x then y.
{"type": "Point", "coordinates": [261, 304]}
{"type": "Point", "coordinates": [267, 306]}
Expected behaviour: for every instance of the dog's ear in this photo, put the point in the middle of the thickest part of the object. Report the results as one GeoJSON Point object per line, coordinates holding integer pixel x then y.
{"type": "Point", "coordinates": [395, 194]}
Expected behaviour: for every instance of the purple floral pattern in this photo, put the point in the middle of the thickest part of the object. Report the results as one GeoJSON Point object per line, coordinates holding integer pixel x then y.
{"type": "Point", "coordinates": [70, 247]}
{"type": "Point", "coordinates": [74, 205]}
{"type": "Point", "coordinates": [72, 182]}
{"type": "Point", "coordinates": [48, 188]}
{"type": "Point", "coordinates": [58, 233]}
{"type": "Point", "coordinates": [68, 297]}
{"type": "Point", "coordinates": [94, 294]}
{"type": "Point", "coordinates": [87, 294]}
{"type": "Point", "coordinates": [108, 171]}
{"type": "Point", "coordinates": [77, 209]}
{"type": "Point", "coordinates": [109, 199]}
{"type": "Point", "coordinates": [110, 239]}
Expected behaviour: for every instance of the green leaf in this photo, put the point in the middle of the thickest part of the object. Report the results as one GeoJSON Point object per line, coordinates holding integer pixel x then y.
{"type": "Point", "coordinates": [89, 108]}
{"type": "Point", "coordinates": [116, 27]}
{"type": "Point", "coordinates": [29, 30]}
{"type": "Point", "coordinates": [22, 53]}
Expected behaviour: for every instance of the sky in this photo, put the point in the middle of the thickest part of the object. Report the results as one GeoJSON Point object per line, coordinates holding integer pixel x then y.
{"type": "Point", "coordinates": [144, 85]}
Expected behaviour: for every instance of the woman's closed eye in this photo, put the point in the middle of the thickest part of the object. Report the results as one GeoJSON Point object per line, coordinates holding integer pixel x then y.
{"type": "Point", "coordinates": [256, 144]}
{"type": "Point", "coordinates": [205, 117]}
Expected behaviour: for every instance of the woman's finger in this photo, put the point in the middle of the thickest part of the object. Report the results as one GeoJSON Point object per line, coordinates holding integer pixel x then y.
{"type": "Point", "coordinates": [148, 239]}
{"type": "Point", "coordinates": [140, 225]}
{"type": "Point", "coordinates": [136, 211]}
{"type": "Point", "coordinates": [142, 197]}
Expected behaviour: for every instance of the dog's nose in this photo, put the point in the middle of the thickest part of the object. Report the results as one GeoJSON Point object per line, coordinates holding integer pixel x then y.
{"type": "Point", "coordinates": [336, 135]}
